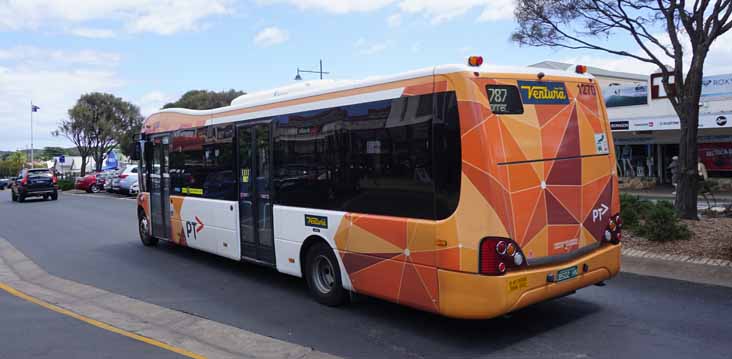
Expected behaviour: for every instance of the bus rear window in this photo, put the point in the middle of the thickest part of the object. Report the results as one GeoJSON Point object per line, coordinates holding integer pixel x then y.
{"type": "Point", "coordinates": [504, 100]}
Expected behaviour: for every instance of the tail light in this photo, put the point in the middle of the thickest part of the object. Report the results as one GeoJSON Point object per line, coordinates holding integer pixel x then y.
{"type": "Point", "coordinates": [24, 181]}
{"type": "Point", "coordinates": [499, 255]}
{"type": "Point", "coordinates": [54, 179]}
{"type": "Point", "coordinates": [123, 176]}
{"type": "Point", "coordinates": [614, 230]}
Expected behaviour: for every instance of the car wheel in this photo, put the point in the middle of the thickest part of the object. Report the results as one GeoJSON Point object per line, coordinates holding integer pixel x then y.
{"type": "Point", "coordinates": [323, 276]}
{"type": "Point", "coordinates": [94, 188]}
{"type": "Point", "coordinates": [144, 230]}
{"type": "Point", "coordinates": [21, 198]}
{"type": "Point", "coordinates": [13, 197]}
{"type": "Point", "coordinates": [54, 195]}
{"type": "Point", "coordinates": [45, 197]}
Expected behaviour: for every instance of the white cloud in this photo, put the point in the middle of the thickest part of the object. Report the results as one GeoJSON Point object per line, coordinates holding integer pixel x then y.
{"type": "Point", "coordinates": [717, 61]}
{"type": "Point", "coordinates": [612, 63]}
{"type": "Point", "coordinates": [53, 80]}
{"type": "Point", "coordinates": [334, 6]}
{"type": "Point", "coordinates": [153, 101]}
{"type": "Point", "coordinates": [30, 56]}
{"type": "Point", "coordinates": [157, 16]}
{"type": "Point", "coordinates": [93, 33]}
{"type": "Point", "coordinates": [394, 20]}
{"type": "Point", "coordinates": [497, 10]}
{"type": "Point", "coordinates": [436, 11]}
{"type": "Point", "coordinates": [371, 48]}
{"type": "Point", "coordinates": [271, 36]}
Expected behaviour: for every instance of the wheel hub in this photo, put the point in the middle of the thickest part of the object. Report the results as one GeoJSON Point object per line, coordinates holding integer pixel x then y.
{"type": "Point", "coordinates": [143, 227]}
{"type": "Point", "coordinates": [323, 274]}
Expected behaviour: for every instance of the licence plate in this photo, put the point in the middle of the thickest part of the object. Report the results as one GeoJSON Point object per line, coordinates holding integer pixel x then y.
{"type": "Point", "coordinates": [566, 273]}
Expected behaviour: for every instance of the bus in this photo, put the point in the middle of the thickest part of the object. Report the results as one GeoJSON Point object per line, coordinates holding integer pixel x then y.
{"type": "Point", "coordinates": [465, 190]}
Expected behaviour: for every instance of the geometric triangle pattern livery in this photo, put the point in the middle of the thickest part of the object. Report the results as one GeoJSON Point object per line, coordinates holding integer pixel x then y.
{"type": "Point", "coordinates": [535, 178]}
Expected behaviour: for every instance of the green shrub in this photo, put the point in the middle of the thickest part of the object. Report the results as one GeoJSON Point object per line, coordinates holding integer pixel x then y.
{"type": "Point", "coordinates": [659, 222]}
{"type": "Point", "coordinates": [65, 185]}
{"type": "Point", "coordinates": [655, 221]}
{"type": "Point", "coordinates": [632, 209]}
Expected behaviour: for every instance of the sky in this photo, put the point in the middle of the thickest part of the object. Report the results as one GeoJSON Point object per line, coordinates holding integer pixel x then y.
{"type": "Point", "coordinates": [149, 52]}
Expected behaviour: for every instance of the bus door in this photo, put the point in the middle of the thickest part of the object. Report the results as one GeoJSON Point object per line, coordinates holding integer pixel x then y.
{"type": "Point", "coordinates": [255, 201]}
{"type": "Point", "coordinates": [160, 188]}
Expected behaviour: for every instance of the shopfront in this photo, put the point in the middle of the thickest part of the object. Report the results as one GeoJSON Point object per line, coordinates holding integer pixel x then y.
{"type": "Point", "coordinates": [647, 133]}
{"type": "Point", "coordinates": [645, 147]}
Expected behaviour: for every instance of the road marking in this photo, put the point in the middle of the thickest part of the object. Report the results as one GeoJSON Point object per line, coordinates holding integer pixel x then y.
{"type": "Point", "coordinates": [132, 198]}
{"type": "Point", "coordinates": [99, 324]}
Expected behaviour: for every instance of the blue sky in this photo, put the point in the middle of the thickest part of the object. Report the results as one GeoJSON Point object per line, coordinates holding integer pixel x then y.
{"type": "Point", "coordinates": [151, 51]}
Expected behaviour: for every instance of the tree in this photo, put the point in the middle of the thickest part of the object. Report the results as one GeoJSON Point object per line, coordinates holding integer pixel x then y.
{"type": "Point", "coordinates": [99, 122]}
{"type": "Point", "coordinates": [205, 100]}
{"type": "Point", "coordinates": [664, 30]}
{"type": "Point", "coordinates": [51, 152]}
{"type": "Point", "coordinates": [128, 127]}
{"type": "Point", "coordinates": [12, 164]}
{"type": "Point", "coordinates": [75, 131]}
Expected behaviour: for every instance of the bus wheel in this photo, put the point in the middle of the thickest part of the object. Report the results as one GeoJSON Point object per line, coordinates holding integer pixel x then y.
{"type": "Point", "coordinates": [324, 276]}
{"type": "Point", "coordinates": [144, 229]}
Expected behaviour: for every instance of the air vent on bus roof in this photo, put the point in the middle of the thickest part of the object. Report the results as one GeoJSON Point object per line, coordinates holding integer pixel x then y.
{"type": "Point", "coordinates": [299, 87]}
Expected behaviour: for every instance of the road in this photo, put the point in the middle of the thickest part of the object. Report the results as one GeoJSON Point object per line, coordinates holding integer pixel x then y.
{"type": "Point", "coordinates": [93, 240]}
{"type": "Point", "coordinates": [28, 331]}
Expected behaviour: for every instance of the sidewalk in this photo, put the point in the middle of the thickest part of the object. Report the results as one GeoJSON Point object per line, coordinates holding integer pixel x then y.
{"type": "Point", "coordinates": [178, 332]}
{"type": "Point", "coordinates": [665, 193]}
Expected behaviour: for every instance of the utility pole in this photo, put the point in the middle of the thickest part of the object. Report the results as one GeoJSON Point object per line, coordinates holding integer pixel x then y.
{"type": "Point", "coordinates": [33, 109]}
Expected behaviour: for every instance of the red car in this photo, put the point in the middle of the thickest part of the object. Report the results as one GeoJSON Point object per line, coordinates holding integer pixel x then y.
{"type": "Point", "coordinates": [89, 183]}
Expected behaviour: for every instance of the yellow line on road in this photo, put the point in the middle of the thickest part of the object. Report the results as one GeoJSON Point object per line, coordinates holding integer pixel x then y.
{"type": "Point", "coordinates": [99, 324]}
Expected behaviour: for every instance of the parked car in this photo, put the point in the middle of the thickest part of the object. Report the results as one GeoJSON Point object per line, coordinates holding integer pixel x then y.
{"type": "Point", "coordinates": [109, 178]}
{"type": "Point", "coordinates": [36, 182]}
{"type": "Point", "coordinates": [135, 188]}
{"type": "Point", "coordinates": [124, 181]}
{"type": "Point", "coordinates": [4, 182]}
{"type": "Point", "coordinates": [90, 183]}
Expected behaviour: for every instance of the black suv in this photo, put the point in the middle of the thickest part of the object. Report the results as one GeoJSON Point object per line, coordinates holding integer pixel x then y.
{"type": "Point", "coordinates": [37, 182]}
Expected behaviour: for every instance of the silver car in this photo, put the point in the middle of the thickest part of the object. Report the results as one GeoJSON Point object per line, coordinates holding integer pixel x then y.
{"type": "Point", "coordinates": [124, 182]}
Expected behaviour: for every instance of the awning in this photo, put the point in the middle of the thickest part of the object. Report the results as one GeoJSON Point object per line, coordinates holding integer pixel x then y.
{"type": "Point", "coordinates": [710, 120]}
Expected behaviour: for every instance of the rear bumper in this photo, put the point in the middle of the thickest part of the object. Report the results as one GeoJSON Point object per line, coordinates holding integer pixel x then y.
{"type": "Point", "coordinates": [474, 296]}
{"type": "Point", "coordinates": [29, 192]}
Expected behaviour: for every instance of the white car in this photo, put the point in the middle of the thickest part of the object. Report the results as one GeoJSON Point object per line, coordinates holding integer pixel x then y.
{"type": "Point", "coordinates": [124, 181]}
{"type": "Point", "coordinates": [135, 188]}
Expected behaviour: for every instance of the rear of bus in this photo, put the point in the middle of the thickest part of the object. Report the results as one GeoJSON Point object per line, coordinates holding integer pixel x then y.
{"type": "Point", "coordinates": [539, 209]}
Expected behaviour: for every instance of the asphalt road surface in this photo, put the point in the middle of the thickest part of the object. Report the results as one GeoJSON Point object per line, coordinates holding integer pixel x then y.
{"type": "Point", "coordinates": [93, 240]}
{"type": "Point", "coordinates": [31, 331]}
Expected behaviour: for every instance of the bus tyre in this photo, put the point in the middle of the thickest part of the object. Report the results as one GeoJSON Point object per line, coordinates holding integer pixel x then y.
{"type": "Point", "coordinates": [144, 229]}
{"type": "Point", "coordinates": [323, 276]}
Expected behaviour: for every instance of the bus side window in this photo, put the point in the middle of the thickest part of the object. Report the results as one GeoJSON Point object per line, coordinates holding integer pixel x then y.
{"type": "Point", "coordinates": [447, 154]}
{"type": "Point", "coordinates": [373, 158]}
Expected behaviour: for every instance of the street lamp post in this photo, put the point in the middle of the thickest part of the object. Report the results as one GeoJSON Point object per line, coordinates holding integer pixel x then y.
{"type": "Point", "coordinates": [298, 77]}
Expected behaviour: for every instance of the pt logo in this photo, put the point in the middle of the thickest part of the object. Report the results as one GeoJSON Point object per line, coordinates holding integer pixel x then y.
{"type": "Point", "coordinates": [598, 212]}
{"type": "Point", "coordinates": [193, 227]}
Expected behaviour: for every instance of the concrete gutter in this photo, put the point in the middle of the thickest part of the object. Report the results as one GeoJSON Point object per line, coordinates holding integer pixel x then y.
{"type": "Point", "coordinates": [195, 334]}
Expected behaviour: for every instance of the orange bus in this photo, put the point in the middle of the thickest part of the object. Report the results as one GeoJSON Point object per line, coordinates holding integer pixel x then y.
{"type": "Point", "coordinates": [464, 190]}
